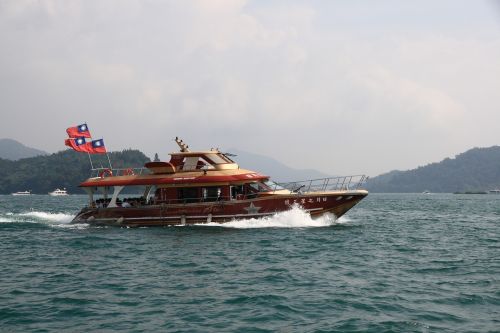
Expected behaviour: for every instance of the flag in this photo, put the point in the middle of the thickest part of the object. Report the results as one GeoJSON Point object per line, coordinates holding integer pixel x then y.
{"type": "Point", "coordinates": [78, 144]}
{"type": "Point", "coordinates": [80, 131]}
{"type": "Point", "coordinates": [97, 147]}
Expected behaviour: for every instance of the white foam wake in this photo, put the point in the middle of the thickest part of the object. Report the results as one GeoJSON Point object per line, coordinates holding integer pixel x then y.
{"type": "Point", "coordinates": [48, 217]}
{"type": "Point", "coordinates": [293, 218]}
{"type": "Point", "coordinates": [4, 219]}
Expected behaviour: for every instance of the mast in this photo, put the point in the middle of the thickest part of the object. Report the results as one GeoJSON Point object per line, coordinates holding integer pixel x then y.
{"type": "Point", "coordinates": [184, 147]}
{"type": "Point", "coordinates": [90, 158]}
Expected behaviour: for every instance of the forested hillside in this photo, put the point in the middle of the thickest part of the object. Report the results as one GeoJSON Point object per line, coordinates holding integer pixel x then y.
{"type": "Point", "coordinates": [64, 169]}
{"type": "Point", "coordinates": [477, 169]}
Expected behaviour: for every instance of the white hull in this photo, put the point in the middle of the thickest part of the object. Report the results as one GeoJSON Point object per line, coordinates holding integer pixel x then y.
{"type": "Point", "coordinates": [58, 193]}
{"type": "Point", "coordinates": [22, 193]}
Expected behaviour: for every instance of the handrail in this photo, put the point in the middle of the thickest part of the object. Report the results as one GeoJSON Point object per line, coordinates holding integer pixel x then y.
{"type": "Point", "coordinates": [98, 172]}
{"type": "Point", "coordinates": [141, 201]}
{"type": "Point", "coordinates": [95, 172]}
{"type": "Point", "coordinates": [342, 183]}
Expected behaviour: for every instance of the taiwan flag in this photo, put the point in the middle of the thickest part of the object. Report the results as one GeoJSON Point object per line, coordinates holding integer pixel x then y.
{"type": "Point", "coordinates": [97, 147]}
{"type": "Point", "coordinates": [80, 131]}
{"type": "Point", "coordinates": [78, 144]}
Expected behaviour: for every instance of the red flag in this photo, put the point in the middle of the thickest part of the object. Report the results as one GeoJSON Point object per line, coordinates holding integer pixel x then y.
{"type": "Point", "coordinates": [80, 131]}
{"type": "Point", "coordinates": [78, 144]}
{"type": "Point", "coordinates": [96, 147]}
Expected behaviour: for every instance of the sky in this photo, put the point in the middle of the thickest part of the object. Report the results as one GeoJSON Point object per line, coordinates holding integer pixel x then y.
{"type": "Point", "coordinates": [344, 87]}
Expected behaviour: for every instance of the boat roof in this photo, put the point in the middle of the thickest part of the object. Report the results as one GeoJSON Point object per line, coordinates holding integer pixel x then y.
{"type": "Point", "coordinates": [198, 177]}
{"type": "Point", "coordinates": [208, 167]}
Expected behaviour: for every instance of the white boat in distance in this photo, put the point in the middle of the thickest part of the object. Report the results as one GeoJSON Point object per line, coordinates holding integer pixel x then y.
{"type": "Point", "coordinates": [58, 192]}
{"type": "Point", "coordinates": [22, 193]}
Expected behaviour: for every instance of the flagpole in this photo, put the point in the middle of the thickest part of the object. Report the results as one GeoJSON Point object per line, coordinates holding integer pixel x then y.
{"type": "Point", "coordinates": [90, 158]}
{"type": "Point", "coordinates": [109, 161]}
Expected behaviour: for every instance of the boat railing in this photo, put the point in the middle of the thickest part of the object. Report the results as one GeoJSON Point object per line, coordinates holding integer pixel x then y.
{"type": "Point", "coordinates": [141, 201]}
{"type": "Point", "coordinates": [106, 172]}
{"type": "Point", "coordinates": [343, 183]}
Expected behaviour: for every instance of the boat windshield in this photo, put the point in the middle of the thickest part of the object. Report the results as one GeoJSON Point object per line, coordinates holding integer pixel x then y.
{"type": "Point", "coordinates": [219, 159]}
{"type": "Point", "coordinates": [273, 186]}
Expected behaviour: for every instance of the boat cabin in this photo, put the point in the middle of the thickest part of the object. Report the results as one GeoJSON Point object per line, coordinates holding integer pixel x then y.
{"type": "Point", "coordinates": [189, 177]}
{"type": "Point", "coordinates": [192, 161]}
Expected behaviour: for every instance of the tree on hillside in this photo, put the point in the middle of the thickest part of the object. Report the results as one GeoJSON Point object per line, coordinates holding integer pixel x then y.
{"type": "Point", "coordinates": [66, 169]}
{"type": "Point", "coordinates": [477, 169]}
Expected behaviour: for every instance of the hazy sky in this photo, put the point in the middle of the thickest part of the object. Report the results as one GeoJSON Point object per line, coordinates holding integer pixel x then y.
{"type": "Point", "coordinates": [339, 86]}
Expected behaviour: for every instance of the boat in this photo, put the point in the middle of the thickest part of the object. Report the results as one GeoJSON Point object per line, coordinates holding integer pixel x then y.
{"type": "Point", "coordinates": [426, 192]}
{"type": "Point", "coordinates": [22, 193]}
{"type": "Point", "coordinates": [494, 191]}
{"type": "Point", "coordinates": [197, 187]}
{"type": "Point", "coordinates": [58, 192]}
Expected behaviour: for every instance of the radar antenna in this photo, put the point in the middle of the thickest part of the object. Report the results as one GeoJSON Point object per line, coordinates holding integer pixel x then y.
{"type": "Point", "coordinates": [184, 147]}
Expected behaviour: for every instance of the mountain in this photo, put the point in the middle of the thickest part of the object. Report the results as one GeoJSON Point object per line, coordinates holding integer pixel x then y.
{"type": "Point", "coordinates": [14, 150]}
{"type": "Point", "coordinates": [64, 169]}
{"type": "Point", "coordinates": [276, 170]}
{"type": "Point", "coordinates": [477, 169]}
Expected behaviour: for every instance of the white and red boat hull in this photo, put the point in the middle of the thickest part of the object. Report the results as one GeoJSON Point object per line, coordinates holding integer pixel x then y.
{"type": "Point", "coordinates": [207, 186]}
{"type": "Point", "coordinates": [315, 204]}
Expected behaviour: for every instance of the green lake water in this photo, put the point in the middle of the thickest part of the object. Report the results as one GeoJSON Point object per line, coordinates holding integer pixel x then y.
{"type": "Point", "coordinates": [395, 263]}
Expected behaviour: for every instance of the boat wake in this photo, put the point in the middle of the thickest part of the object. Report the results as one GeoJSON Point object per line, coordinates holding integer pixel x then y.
{"type": "Point", "coordinates": [293, 218]}
{"type": "Point", "coordinates": [36, 217]}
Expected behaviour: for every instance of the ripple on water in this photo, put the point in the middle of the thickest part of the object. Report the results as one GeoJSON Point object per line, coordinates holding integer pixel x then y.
{"type": "Point", "coordinates": [394, 263]}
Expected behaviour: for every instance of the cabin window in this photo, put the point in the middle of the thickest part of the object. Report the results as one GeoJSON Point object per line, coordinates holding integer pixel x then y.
{"type": "Point", "coordinates": [190, 163]}
{"type": "Point", "coordinates": [194, 163]}
{"type": "Point", "coordinates": [259, 187]}
{"type": "Point", "coordinates": [202, 164]}
{"type": "Point", "coordinates": [167, 195]}
{"type": "Point", "coordinates": [161, 195]}
{"type": "Point", "coordinates": [218, 159]}
{"type": "Point", "coordinates": [252, 190]}
{"type": "Point", "coordinates": [188, 194]}
{"type": "Point", "coordinates": [212, 193]}
{"type": "Point", "coordinates": [237, 191]}
{"type": "Point", "coordinates": [253, 187]}
{"type": "Point", "coordinates": [273, 186]}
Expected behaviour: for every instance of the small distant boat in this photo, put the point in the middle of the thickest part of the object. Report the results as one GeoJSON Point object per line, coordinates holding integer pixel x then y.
{"type": "Point", "coordinates": [58, 192]}
{"type": "Point", "coordinates": [426, 192]}
{"type": "Point", "coordinates": [22, 193]}
{"type": "Point", "coordinates": [494, 191]}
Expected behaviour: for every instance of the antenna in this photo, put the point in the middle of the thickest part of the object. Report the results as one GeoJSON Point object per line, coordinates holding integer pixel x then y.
{"type": "Point", "coordinates": [184, 147]}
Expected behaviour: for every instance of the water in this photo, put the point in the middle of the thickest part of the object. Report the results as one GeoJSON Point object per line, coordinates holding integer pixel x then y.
{"type": "Point", "coordinates": [395, 263]}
